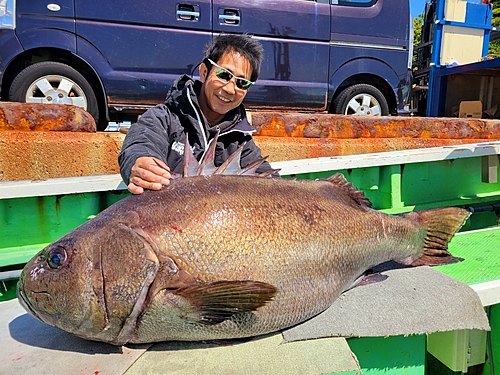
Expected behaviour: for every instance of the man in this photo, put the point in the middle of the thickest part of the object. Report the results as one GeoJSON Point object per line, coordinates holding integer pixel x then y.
{"type": "Point", "coordinates": [154, 146]}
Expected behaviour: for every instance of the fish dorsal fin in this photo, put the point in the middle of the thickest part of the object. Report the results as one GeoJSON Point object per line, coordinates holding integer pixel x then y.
{"type": "Point", "coordinates": [207, 164]}
{"type": "Point", "coordinates": [232, 163]}
{"type": "Point", "coordinates": [191, 166]}
{"type": "Point", "coordinates": [251, 169]}
{"type": "Point", "coordinates": [356, 195]}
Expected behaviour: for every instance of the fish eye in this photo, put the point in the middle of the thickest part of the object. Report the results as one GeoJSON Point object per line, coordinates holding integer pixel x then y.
{"type": "Point", "coordinates": [56, 257]}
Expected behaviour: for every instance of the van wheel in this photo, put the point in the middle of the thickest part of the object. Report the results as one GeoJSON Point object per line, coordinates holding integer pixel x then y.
{"type": "Point", "coordinates": [361, 100]}
{"type": "Point", "coordinates": [54, 83]}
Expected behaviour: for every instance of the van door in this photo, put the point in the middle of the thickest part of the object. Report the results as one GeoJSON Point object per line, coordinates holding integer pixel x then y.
{"type": "Point", "coordinates": [370, 46]}
{"type": "Point", "coordinates": [33, 19]}
{"type": "Point", "coordinates": [295, 35]}
{"type": "Point", "coordinates": [146, 45]}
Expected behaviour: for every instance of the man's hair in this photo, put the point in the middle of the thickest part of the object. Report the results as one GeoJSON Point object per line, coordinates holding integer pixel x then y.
{"type": "Point", "coordinates": [239, 43]}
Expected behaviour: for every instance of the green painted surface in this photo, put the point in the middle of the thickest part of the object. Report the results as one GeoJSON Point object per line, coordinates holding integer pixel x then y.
{"type": "Point", "coordinates": [19, 254]}
{"type": "Point", "coordinates": [394, 355]}
{"type": "Point", "coordinates": [29, 224]}
{"type": "Point", "coordinates": [493, 342]}
{"type": "Point", "coordinates": [7, 290]}
{"type": "Point", "coordinates": [481, 253]}
{"type": "Point", "coordinates": [402, 188]}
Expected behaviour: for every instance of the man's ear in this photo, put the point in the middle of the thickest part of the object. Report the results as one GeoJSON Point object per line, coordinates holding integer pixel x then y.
{"type": "Point", "coordinates": [203, 72]}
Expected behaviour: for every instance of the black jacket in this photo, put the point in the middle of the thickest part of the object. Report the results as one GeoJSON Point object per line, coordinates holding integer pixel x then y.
{"type": "Point", "coordinates": [160, 132]}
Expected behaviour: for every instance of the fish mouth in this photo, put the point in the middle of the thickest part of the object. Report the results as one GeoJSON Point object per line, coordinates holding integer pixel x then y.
{"type": "Point", "coordinates": [24, 301]}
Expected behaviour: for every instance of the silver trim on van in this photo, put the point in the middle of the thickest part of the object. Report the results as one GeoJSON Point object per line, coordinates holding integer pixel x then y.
{"type": "Point", "coordinates": [366, 45]}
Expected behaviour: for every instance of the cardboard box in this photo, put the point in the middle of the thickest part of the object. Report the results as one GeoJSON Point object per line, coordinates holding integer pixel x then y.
{"type": "Point", "coordinates": [473, 109]}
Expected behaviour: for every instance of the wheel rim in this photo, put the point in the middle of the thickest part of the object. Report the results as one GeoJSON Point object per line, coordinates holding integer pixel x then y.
{"type": "Point", "coordinates": [363, 105]}
{"type": "Point", "coordinates": [56, 89]}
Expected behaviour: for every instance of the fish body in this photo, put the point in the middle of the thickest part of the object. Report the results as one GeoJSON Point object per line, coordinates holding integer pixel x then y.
{"type": "Point", "coordinates": [125, 276]}
{"type": "Point", "coordinates": [222, 256]}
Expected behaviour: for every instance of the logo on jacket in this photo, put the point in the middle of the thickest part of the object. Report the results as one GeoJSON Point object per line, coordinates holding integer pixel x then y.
{"type": "Point", "coordinates": [178, 147]}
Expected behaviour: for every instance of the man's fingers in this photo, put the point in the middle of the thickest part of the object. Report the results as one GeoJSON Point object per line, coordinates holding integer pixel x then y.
{"type": "Point", "coordinates": [134, 189]}
{"type": "Point", "coordinates": [137, 185]}
{"type": "Point", "coordinates": [161, 165]}
{"type": "Point", "coordinates": [150, 173]}
{"type": "Point", "coordinates": [159, 171]}
{"type": "Point", "coordinates": [151, 182]}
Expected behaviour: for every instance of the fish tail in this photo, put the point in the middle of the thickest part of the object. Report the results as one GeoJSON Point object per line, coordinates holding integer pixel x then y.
{"type": "Point", "coordinates": [442, 224]}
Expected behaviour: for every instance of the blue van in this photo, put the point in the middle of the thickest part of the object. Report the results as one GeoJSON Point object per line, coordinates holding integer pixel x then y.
{"type": "Point", "coordinates": [117, 58]}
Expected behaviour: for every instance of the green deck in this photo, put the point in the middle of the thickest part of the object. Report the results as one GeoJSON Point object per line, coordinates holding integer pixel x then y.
{"type": "Point", "coordinates": [481, 252]}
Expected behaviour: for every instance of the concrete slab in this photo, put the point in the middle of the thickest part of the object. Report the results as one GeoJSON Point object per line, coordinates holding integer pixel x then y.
{"type": "Point", "coordinates": [36, 155]}
{"type": "Point", "coordinates": [78, 151]}
{"type": "Point", "coordinates": [28, 346]}
{"type": "Point", "coordinates": [41, 155]}
{"type": "Point", "coordinates": [292, 148]}
{"type": "Point", "coordinates": [267, 355]}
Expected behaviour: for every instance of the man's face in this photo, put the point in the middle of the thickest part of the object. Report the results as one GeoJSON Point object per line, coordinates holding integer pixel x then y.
{"type": "Point", "coordinates": [218, 97]}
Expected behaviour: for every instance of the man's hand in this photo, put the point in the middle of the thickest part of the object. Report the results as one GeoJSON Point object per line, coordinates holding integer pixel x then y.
{"type": "Point", "coordinates": [148, 173]}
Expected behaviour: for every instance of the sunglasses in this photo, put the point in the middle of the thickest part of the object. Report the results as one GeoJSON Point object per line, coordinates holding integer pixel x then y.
{"type": "Point", "coordinates": [225, 76]}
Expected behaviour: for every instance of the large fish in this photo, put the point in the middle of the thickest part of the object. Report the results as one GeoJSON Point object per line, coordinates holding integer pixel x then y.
{"type": "Point", "coordinates": [222, 256]}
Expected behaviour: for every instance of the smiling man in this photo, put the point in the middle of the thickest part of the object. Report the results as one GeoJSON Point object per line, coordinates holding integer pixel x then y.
{"type": "Point", "coordinates": [154, 146]}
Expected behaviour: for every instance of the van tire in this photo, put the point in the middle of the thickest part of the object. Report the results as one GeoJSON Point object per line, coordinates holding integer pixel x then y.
{"type": "Point", "coordinates": [361, 100]}
{"type": "Point", "coordinates": [33, 85]}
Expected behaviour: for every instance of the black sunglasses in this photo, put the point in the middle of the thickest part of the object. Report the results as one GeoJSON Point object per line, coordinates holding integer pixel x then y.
{"type": "Point", "coordinates": [225, 76]}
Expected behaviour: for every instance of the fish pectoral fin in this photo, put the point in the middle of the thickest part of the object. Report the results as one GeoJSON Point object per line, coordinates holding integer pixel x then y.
{"type": "Point", "coordinates": [217, 301]}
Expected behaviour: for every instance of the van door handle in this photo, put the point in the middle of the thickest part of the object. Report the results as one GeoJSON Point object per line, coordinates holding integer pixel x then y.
{"type": "Point", "coordinates": [230, 17]}
{"type": "Point", "coordinates": [187, 12]}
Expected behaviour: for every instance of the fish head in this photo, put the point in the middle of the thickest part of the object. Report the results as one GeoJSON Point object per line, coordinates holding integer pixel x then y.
{"type": "Point", "coordinates": [56, 285]}
{"type": "Point", "coordinates": [90, 282]}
